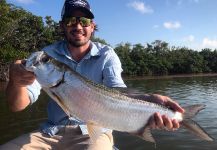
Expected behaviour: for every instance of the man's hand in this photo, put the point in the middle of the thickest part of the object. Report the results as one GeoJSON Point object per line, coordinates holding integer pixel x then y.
{"type": "Point", "coordinates": [16, 91]}
{"type": "Point", "coordinates": [19, 76]}
{"type": "Point", "coordinates": [158, 121]}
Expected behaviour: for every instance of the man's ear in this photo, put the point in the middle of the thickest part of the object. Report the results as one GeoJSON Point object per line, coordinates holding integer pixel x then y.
{"type": "Point", "coordinates": [61, 25]}
{"type": "Point", "coordinates": [61, 28]}
{"type": "Point", "coordinates": [94, 26]}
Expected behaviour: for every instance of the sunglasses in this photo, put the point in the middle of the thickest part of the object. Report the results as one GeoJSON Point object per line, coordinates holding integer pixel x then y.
{"type": "Point", "coordinates": [84, 22]}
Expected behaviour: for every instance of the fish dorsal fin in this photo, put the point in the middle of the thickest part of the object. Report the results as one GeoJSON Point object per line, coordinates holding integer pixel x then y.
{"type": "Point", "coordinates": [94, 131]}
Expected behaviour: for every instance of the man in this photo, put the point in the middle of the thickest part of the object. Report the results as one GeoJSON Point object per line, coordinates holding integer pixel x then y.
{"type": "Point", "coordinates": [95, 61]}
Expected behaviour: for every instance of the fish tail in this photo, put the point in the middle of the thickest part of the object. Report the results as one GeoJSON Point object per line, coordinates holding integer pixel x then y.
{"type": "Point", "coordinates": [192, 126]}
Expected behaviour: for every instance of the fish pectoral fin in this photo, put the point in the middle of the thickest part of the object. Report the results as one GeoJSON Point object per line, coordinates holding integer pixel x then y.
{"type": "Point", "coordinates": [193, 127]}
{"type": "Point", "coordinates": [94, 131]}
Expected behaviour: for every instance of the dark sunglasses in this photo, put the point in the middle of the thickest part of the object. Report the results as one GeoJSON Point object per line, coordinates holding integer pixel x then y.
{"type": "Point", "coordinates": [84, 22]}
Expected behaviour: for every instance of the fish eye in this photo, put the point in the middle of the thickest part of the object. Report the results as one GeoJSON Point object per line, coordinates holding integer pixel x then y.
{"type": "Point", "coordinates": [45, 58]}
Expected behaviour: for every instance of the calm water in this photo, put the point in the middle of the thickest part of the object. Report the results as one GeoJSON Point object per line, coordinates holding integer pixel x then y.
{"type": "Point", "coordinates": [186, 90]}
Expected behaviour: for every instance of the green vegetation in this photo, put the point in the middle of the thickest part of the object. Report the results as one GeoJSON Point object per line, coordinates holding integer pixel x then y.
{"type": "Point", "coordinates": [158, 58]}
{"type": "Point", "coordinates": [22, 33]}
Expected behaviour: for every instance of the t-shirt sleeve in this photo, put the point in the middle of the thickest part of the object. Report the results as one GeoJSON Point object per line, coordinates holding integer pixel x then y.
{"type": "Point", "coordinates": [34, 91]}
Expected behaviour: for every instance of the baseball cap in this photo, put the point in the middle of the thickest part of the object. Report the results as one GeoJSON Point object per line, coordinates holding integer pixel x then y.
{"type": "Point", "coordinates": [71, 5]}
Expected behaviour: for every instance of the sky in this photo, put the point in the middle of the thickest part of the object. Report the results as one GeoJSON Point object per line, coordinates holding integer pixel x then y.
{"type": "Point", "coordinates": [181, 23]}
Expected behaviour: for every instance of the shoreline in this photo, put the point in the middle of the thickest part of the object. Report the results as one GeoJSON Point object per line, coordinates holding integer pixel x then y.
{"type": "Point", "coordinates": [3, 83]}
{"type": "Point", "coordinates": [169, 76]}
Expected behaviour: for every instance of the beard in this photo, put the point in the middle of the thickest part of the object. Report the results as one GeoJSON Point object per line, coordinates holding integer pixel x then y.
{"type": "Point", "coordinates": [76, 43]}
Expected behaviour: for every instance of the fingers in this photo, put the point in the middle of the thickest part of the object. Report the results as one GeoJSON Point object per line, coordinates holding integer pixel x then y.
{"type": "Point", "coordinates": [176, 124]}
{"type": "Point", "coordinates": [167, 122]}
{"type": "Point", "coordinates": [173, 105]}
{"type": "Point", "coordinates": [158, 120]}
{"type": "Point", "coordinates": [163, 122]}
{"type": "Point", "coordinates": [156, 98]}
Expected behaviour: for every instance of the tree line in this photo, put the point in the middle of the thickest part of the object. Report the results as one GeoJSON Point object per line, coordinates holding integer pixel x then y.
{"type": "Point", "coordinates": [157, 58]}
{"type": "Point", "coordinates": [22, 32]}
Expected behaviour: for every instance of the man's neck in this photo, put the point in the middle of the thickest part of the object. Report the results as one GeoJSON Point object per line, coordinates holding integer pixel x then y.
{"type": "Point", "coordinates": [77, 53]}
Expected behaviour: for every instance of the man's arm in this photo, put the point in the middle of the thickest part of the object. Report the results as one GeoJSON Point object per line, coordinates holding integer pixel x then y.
{"type": "Point", "coordinates": [16, 91]}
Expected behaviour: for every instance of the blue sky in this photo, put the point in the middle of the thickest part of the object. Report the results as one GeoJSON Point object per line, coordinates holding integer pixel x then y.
{"type": "Point", "coordinates": [189, 23]}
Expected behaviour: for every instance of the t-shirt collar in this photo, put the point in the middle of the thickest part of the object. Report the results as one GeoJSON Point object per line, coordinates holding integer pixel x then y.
{"type": "Point", "coordinates": [94, 51]}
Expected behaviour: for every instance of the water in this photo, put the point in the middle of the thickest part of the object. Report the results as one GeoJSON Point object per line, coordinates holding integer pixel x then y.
{"type": "Point", "coordinates": [15, 124]}
{"type": "Point", "coordinates": [186, 90]}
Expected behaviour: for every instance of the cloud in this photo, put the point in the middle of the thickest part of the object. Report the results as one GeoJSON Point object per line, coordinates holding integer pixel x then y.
{"type": "Point", "coordinates": [141, 7]}
{"type": "Point", "coordinates": [208, 43]}
{"type": "Point", "coordinates": [25, 1]}
{"type": "Point", "coordinates": [172, 25]}
{"type": "Point", "coordinates": [189, 38]}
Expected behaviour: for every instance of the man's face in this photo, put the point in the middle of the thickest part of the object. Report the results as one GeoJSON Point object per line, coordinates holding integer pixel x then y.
{"type": "Point", "coordinates": [77, 34]}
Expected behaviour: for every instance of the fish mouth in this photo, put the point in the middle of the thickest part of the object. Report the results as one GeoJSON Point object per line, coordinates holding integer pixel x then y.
{"type": "Point", "coordinates": [23, 62]}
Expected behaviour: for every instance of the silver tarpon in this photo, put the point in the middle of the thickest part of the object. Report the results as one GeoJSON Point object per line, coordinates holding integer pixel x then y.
{"type": "Point", "coordinates": [100, 106]}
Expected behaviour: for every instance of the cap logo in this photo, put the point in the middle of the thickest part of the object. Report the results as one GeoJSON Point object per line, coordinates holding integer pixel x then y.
{"type": "Point", "coordinates": [78, 3]}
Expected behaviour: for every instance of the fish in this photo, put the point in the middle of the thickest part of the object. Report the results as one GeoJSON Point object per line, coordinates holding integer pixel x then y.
{"type": "Point", "coordinates": [102, 107]}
